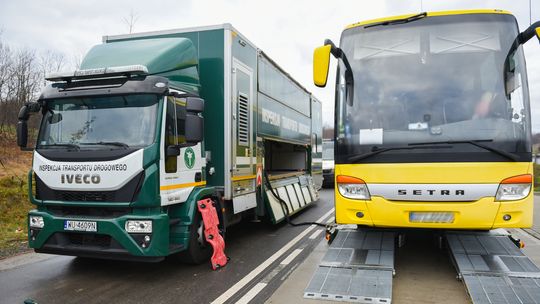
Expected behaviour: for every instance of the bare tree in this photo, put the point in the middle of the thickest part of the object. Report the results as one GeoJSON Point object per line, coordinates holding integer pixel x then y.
{"type": "Point", "coordinates": [50, 61]}
{"type": "Point", "coordinates": [131, 20]}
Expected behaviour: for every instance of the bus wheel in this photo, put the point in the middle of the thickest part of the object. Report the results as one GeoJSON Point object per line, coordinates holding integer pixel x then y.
{"type": "Point", "coordinates": [199, 250]}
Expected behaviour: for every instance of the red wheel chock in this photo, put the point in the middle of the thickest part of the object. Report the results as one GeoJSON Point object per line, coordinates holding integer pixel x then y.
{"type": "Point", "coordinates": [211, 232]}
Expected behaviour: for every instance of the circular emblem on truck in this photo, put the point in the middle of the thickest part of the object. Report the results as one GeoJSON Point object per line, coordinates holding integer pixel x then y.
{"type": "Point", "coordinates": [189, 158]}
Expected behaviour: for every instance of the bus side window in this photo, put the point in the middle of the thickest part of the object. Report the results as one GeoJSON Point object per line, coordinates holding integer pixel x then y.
{"type": "Point", "coordinates": [170, 135]}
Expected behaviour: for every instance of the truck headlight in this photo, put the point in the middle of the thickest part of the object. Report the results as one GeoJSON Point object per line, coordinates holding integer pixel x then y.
{"type": "Point", "coordinates": [514, 188]}
{"type": "Point", "coordinates": [352, 187]}
{"type": "Point", "coordinates": [36, 221]}
{"type": "Point", "coordinates": [139, 226]}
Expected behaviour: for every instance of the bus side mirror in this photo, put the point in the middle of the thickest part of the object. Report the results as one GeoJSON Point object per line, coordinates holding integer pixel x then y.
{"type": "Point", "coordinates": [537, 30]}
{"type": "Point", "coordinates": [321, 64]}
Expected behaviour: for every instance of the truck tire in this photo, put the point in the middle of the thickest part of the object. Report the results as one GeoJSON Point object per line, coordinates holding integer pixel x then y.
{"type": "Point", "coordinates": [199, 250]}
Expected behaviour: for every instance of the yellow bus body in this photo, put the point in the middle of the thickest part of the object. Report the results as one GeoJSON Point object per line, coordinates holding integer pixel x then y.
{"type": "Point", "coordinates": [483, 214]}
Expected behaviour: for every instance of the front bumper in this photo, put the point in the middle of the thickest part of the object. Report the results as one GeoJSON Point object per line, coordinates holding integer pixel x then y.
{"type": "Point", "coordinates": [483, 214]}
{"type": "Point", "coordinates": [111, 241]}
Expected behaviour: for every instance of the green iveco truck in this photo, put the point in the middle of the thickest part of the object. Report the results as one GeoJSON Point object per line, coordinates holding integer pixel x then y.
{"type": "Point", "coordinates": [153, 122]}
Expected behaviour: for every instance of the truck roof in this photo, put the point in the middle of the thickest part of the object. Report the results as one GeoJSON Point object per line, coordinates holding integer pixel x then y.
{"type": "Point", "coordinates": [225, 26]}
{"type": "Point", "coordinates": [430, 14]}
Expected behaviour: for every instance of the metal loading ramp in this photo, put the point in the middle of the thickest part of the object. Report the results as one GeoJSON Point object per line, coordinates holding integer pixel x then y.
{"type": "Point", "coordinates": [358, 267]}
{"type": "Point", "coordinates": [493, 268]}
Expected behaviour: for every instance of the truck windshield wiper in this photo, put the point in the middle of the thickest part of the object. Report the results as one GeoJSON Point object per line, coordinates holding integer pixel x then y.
{"type": "Point", "coordinates": [399, 21]}
{"type": "Point", "coordinates": [477, 143]}
{"type": "Point", "coordinates": [376, 151]}
{"type": "Point", "coordinates": [74, 146]}
{"type": "Point", "coordinates": [108, 143]}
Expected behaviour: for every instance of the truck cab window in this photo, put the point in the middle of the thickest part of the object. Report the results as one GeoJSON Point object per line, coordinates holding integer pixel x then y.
{"type": "Point", "coordinates": [171, 137]}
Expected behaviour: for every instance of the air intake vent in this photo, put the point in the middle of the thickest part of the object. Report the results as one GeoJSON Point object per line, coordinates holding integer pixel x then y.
{"type": "Point", "coordinates": [243, 119]}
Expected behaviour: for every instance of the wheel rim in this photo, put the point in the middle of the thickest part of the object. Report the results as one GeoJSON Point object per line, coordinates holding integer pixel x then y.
{"type": "Point", "coordinates": [200, 235]}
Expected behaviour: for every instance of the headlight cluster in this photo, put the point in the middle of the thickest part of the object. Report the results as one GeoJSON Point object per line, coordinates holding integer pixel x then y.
{"type": "Point", "coordinates": [139, 226]}
{"type": "Point", "coordinates": [36, 221]}
{"type": "Point", "coordinates": [514, 188]}
{"type": "Point", "coordinates": [352, 187]}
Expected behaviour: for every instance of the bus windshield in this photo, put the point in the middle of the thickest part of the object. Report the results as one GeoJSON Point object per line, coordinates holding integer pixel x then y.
{"type": "Point", "coordinates": [95, 123]}
{"type": "Point", "coordinates": [431, 90]}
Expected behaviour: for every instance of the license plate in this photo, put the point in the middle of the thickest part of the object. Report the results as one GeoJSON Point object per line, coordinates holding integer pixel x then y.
{"type": "Point", "coordinates": [80, 226]}
{"type": "Point", "coordinates": [431, 217]}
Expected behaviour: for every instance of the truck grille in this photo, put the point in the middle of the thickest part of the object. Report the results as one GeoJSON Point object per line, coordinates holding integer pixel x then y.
{"type": "Point", "coordinates": [85, 196]}
{"type": "Point", "coordinates": [78, 211]}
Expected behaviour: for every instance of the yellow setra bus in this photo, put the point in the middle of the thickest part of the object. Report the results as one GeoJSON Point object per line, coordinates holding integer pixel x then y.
{"type": "Point", "coordinates": [432, 121]}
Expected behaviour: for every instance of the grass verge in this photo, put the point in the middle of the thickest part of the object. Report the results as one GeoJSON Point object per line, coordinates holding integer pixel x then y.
{"type": "Point", "coordinates": [14, 206]}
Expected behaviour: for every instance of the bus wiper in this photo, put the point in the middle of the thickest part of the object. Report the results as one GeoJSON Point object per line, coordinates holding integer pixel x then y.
{"type": "Point", "coordinates": [399, 21]}
{"type": "Point", "coordinates": [74, 146]}
{"type": "Point", "coordinates": [477, 143]}
{"type": "Point", "coordinates": [376, 151]}
{"type": "Point", "coordinates": [109, 143]}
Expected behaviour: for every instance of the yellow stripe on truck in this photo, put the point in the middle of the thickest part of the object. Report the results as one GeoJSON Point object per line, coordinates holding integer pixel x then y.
{"type": "Point", "coordinates": [179, 186]}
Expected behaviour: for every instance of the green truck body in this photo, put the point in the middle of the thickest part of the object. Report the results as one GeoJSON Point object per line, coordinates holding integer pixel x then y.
{"type": "Point", "coordinates": [110, 200]}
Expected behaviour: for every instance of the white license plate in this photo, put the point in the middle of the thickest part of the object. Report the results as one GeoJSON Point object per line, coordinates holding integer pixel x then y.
{"type": "Point", "coordinates": [431, 217]}
{"type": "Point", "coordinates": [80, 226]}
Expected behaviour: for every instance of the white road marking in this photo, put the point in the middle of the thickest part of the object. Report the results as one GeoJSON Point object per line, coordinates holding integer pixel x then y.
{"type": "Point", "coordinates": [291, 256]}
{"type": "Point", "coordinates": [251, 293]}
{"type": "Point", "coordinates": [315, 234]}
{"type": "Point", "coordinates": [250, 276]}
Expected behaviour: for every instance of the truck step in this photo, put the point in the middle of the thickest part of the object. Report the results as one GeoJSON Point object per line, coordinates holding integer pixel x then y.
{"type": "Point", "coordinates": [493, 268]}
{"type": "Point", "coordinates": [358, 267]}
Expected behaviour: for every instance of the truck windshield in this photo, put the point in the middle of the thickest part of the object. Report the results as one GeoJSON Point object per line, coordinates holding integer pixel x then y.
{"type": "Point", "coordinates": [437, 79]}
{"type": "Point", "coordinates": [111, 122]}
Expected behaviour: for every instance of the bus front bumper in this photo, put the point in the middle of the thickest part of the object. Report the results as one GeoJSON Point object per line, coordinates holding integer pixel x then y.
{"type": "Point", "coordinates": [482, 214]}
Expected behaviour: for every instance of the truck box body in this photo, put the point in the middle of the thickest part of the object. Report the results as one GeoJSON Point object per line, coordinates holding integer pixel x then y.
{"type": "Point", "coordinates": [259, 124]}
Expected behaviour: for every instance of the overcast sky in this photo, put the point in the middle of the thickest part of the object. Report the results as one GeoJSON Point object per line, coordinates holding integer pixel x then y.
{"type": "Point", "coordinates": [287, 31]}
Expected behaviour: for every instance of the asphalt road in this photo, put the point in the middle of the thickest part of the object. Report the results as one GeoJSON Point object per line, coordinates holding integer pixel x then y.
{"type": "Point", "coordinates": [262, 256]}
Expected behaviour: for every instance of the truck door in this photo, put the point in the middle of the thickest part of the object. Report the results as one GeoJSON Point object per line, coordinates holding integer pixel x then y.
{"type": "Point", "coordinates": [178, 174]}
{"type": "Point", "coordinates": [316, 143]}
{"type": "Point", "coordinates": [243, 160]}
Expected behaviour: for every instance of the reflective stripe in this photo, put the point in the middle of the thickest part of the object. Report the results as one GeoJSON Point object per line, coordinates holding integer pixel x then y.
{"type": "Point", "coordinates": [178, 186]}
{"type": "Point", "coordinates": [243, 177]}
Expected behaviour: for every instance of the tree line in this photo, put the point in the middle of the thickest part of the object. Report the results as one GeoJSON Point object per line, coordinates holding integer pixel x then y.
{"type": "Point", "coordinates": [22, 77]}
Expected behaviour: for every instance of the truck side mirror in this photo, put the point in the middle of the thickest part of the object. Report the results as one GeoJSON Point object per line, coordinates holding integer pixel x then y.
{"type": "Point", "coordinates": [22, 125]}
{"type": "Point", "coordinates": [194, 129]}
{"type": "Point", "coordinates": [194, 104]}
{"type": "Point", "coordinates": [22, 134]}
{"type": "Point", "coordinates": [321, 64]}
{"type": "Point", "coordinates": [173, 150]}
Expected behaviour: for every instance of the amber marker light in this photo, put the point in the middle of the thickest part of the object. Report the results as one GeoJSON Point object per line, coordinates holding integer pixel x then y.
{"type": "Point", "coordinates": [514, 188]}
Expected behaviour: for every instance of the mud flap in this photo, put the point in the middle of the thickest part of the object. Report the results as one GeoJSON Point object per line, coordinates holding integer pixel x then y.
{"type": "Point", "coordinates": [211, 232]}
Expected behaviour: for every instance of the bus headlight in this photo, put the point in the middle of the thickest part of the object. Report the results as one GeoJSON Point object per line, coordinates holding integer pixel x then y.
{"type": "Point", "coordinates": [352, 187]}
{"type": "Point", "coordinates": [138, 226]}
{"type": "Point", "coordinates": [514, 188]}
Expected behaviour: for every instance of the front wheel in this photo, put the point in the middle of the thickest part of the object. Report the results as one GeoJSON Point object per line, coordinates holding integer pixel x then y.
{"type": "Point", "coordinates": [199, 250]}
